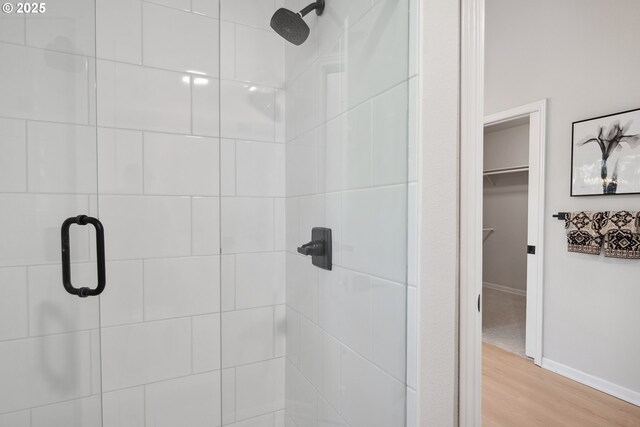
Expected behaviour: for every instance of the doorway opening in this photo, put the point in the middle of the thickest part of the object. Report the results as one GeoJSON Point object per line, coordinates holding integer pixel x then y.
{"type": "Point", "coordinates": [513, 228]}
{"type": "Point", "coordinates": [505, 217]}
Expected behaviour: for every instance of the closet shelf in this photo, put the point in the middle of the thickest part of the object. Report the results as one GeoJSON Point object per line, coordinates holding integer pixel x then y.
{"type": "Point", "coordinates": [502, 171]}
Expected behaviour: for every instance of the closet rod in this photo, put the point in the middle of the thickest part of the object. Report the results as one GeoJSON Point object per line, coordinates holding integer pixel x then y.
{"type": "Point", "coordinates": [506, 170]}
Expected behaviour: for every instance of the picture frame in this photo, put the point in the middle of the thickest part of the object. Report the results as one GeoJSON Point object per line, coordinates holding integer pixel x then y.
{"type": "Point", "coordinates": [605, 155]}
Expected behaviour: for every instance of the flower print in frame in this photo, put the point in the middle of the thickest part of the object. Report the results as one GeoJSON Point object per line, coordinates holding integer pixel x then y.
{"type": "Point", "coordinates": [606, 155]}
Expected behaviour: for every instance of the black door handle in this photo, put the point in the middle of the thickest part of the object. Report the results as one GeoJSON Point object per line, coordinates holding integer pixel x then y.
{"type": "Point", "coordinates": [66, 256]}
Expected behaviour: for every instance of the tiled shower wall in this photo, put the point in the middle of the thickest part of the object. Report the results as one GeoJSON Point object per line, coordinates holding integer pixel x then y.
{"type": "Point", "coordinates": [351, 134]}
{"type": "Point", "coordinates": [188, 162]}
{"type": "Point", "coordinates": [196, 211]}
{"type": "Point", "coordinates": [49, 341]}
{"type": "Point", "coordinates": [191, 160]}
{"type": "Point", "coordinates": [253, 190]}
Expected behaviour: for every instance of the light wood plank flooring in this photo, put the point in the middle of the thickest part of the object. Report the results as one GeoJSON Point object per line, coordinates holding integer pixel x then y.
{"type": "Point", "coordinates": [516, 393]}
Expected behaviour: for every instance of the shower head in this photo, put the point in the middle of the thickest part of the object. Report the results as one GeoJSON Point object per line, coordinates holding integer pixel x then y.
{"type": "Point", "coordinates": [291, 26]}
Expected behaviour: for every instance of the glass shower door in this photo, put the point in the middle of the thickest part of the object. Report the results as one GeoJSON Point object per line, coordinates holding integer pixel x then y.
{"type": "Point", "coordinates": [49, 339]}
{"type": "Point", "coordinates": [347, 169]}
{"type": "Point", "coordinates": [159, 184]}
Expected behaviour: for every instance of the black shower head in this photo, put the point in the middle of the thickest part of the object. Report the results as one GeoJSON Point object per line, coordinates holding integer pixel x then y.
{"type": "Point", "coordinates": [291, 26]}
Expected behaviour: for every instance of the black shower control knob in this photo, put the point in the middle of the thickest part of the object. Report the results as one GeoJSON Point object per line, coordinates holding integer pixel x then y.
{"type": "Point", "coordinates": [319, 248]}
{"type": "Point", "coordinates": [313, 248]}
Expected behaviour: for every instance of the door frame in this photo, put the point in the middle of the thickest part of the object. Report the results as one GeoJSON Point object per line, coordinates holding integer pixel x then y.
{"type": "Point", "coordinates": [536, 112]}
{"type": "Point", "coordinates": [472, 123]}
{"type": "Point", "coordinates": [470, 205]}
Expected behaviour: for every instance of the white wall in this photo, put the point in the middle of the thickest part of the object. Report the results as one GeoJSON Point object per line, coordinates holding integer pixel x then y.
{"type": "Point", "coordinates": [439, 99]}
{"type": "Point", "coordinates": [504, 261]}
{"type": "Point", "coordinates": [580, 55]}
{"type": "Point", "coordinates": [506, 145]}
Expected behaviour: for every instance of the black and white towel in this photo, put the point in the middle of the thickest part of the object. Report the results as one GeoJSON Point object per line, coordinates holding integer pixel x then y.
{"type": "Point", "coordinates": [584, 231]}
{"type": "Point", "coordinates": [622, 235]}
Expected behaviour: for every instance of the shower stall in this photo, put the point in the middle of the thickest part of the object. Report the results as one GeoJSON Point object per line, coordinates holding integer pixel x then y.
{"type": "Point", "coordinates": [178, 153]}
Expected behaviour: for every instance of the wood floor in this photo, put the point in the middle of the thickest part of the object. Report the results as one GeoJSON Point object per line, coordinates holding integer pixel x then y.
{"type": "Point", "coordinates": [517, 393]}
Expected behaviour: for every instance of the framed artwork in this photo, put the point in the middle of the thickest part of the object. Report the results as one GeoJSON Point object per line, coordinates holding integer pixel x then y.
{"type": "Point", "coordinates": [605, 155]}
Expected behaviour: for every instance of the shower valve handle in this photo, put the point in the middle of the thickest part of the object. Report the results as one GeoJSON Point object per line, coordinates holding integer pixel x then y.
{"type": "Point", "coordinates": [319, 248]}
{"type": "Point", "coordinates": [313, 248]}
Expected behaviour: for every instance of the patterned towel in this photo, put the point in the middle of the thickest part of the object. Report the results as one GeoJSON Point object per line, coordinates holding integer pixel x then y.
{"type": "Point", "coordinates": [584, 231]}
{"type": "Point", "coordinates": [622, 235]}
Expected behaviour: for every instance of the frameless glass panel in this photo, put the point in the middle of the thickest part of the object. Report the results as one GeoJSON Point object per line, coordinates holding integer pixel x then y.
{"type": "Point", "coordinates": [49, 339]}
{"type": "Point", "coordinates": [158, 141]}
{"type": "Point", "coordinates": [347, 133]}
{"type": "Point", "coordinates": [252, 215]}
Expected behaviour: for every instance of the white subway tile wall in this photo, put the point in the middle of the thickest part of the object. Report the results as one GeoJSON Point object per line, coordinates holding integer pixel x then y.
{"type": "Point", "coordinates": [350, 154]}
{"type": "Point", "coordinates": [209, 148]}
{"type": "Point", "coordinates": [195, 225]}
{"type": "Point", "coordinates": [200, 216]}
{"type": "Point", "coordinates": [49, 347]}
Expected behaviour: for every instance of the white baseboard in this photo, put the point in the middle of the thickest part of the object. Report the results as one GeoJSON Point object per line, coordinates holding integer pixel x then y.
{"type": "Point", "coordinates": [604, 386]}
{"type": "Point", "coordinates": [504, 289]}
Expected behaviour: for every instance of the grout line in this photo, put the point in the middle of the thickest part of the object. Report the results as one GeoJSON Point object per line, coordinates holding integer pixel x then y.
{"type": "Point", "coordinates": [298, 337]}
{"type": "Point", "coordinates": [26, 274]}
{"type": "Point", "coordinates": [191, 224]}
{"type": "Point", "coordinates": [142, 287]}
{"type": "Point", "coordinates": [149, 195]}
{"type": "Point", "coordinates": [361, 273]}
{"type": "Point", "coordinates": [275, 114]}
{"type": "Point", "coordinates": [300, 239]}
{"type": "Point", "coordinates": [372, 336]}
{"type": "Point", "coordinates": [173, 257]}
{"type": "Point", "coordinates": [235, 168]}
{"type": "Point", "coordinates": [274, 225]}
{"type": "Point", "coordinates": [191, 80]}
{"type": "Point", "coordinates": [142, 15]}
{"type": "Point", "coordinates": [143, 65]}
{"type": "Point", "coordinates": [143, 144]}
{"type": "Point", "coordinates": [91, 384]}
{"type": "Point", "coordinates": [118, 128]}
{"type": "Point", "coordinates": [26, 155]}
{"type": "Point", "coordinates": [144, 385]}
{"type": "Point", "coordinates": [152, 3]}
{"type": "Point", "coordinates": [144, 404]}
{"type": "Point", "coordinates": [220, 186]}
{"type": "Point", "coordinates": [343, 344]}
{"type": "Point", "coordinates": [235, 392]}
{"type": "Point", "coordinates": [86, 396]}
{"type": "Point", "coordinates": [235, 50]}
{"type": "Point", "coordinates": [321, 394]}
{"type": "Point", "coordinates": [131, 324]}
{"type": "Point", "coordinates": [372, 171]}
{"type": "Point", "coordinates": [324, 122]}
{"type": "Point", "coordinates": [253, 417]}
{"type": "Point", "coordinates": [191, 347]}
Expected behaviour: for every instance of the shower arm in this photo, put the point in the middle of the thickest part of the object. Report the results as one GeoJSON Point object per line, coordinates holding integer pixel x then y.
{"type": "Point", "coordinates": [318, 6]}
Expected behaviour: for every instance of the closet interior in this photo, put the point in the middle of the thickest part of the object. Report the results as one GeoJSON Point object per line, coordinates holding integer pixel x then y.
{"type": "Point", "coordinates": [506, 188]}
